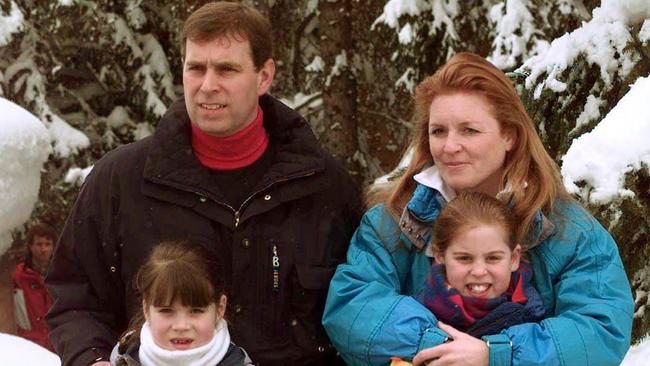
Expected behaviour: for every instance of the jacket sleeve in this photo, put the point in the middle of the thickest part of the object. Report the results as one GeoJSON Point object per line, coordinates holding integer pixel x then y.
{"type": "Point", "coordinates": [87, 311]}
{"type": "Point", "coordinates": [21, 317]}
{"type": "Point", "coordinates": [592, 318]}
{"type": "Point", "coordinates": [365, 316]}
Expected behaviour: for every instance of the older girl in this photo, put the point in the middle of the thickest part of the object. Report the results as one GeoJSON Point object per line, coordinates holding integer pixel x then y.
{"type": "Point", "coordinates": [183, 306]}
{"type": "Point", "coordinates": [473, 134]}
{"type": "Point", "coordinates": [478, 283]}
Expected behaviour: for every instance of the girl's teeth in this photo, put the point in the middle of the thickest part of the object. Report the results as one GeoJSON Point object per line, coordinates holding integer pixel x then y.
{"type": "Point", "coordinates": [477, 288]}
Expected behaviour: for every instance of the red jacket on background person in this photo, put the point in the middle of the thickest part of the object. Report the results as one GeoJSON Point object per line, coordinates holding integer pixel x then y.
{"type": "Point", "coordinates": [37, 301]}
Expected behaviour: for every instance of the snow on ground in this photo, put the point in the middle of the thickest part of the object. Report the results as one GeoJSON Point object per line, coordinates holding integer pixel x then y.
{"type": "Point", "coordinates": [617, 145]}
{"type": "Point", "coordinates": [638, 355]}
{"type": "Point", "coordinates": [19, 351]}
{"type": "Point", "coordinates": [24, 147]}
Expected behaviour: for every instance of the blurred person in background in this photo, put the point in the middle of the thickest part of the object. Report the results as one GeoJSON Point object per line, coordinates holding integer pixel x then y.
{"type": "Point", "coordinates": [31, 299]}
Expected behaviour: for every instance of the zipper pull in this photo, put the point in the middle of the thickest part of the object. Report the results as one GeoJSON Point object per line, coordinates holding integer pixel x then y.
{"type": "Point", "coordinates": [275, 261]}
{"type": "Point", "coordinates": [236, 219]}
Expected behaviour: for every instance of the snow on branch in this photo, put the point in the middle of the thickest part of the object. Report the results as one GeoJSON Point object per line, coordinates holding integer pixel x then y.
{"type": "Point", "coordinates": [154, 73]}
{"type": "Point", "coordinates": [65, 138]}
{"type": "Point", "coordinates": [618, 145]}
{"type": "Point", "coordinates": [442, 11]}
{"type": "Point", "coordinates": [602, 41]}
{"type": "Point", "coordinates": [9, 24]}
{"type": "Point", "coordinates": [516, 34]}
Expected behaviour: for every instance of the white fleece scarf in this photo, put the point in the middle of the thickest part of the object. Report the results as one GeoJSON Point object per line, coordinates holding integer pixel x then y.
{"type": "Point", "coordinates": [207, 355]}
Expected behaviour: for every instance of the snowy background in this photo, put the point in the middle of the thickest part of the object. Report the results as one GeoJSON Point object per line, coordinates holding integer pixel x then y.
{"type": "Point", "coordinates": [582, 68]}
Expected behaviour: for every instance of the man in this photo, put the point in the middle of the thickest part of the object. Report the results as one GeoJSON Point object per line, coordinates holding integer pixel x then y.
{"type": "Point", "coordinates": [230, 167]}
{"type": "Point", "coordinates": [31, 299]}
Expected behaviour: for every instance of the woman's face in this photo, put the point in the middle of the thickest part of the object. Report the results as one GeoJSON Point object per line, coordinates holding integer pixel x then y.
{"type": "Point", "coordinates": [466, 142]}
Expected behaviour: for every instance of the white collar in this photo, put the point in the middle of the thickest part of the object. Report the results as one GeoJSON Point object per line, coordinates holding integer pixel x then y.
{"type": "Point", "coordinates": [431, 178]}
{"type": "Point", "coordinates": [151, 354]}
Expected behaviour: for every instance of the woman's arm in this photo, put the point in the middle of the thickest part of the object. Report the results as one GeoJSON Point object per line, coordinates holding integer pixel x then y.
{"type": "Point", "coordinates": [366, 317]}
{"type": "Point", "coordinates": [591, 320]}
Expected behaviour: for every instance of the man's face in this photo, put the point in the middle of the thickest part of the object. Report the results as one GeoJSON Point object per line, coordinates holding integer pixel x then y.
{"type": "Point", "coordinates": [221, 84]}
{"type": "Point", "coordinates": [41, 249]}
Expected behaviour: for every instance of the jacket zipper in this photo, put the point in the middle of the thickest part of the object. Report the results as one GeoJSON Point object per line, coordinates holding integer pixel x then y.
{"type": "Point", "coordinates": [241, 207]}
{"type": "Point", "coordinates": [237, 213]}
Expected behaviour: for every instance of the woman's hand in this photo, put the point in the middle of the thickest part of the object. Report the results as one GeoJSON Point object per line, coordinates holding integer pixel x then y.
{"type": "Point", "coordinates": [101, 363]}
{"type": "Point", "coordinates": [463, 349]}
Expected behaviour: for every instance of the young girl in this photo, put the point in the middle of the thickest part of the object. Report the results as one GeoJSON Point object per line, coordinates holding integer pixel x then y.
{"type": "Point", "coordinates": [478, 283]}
{"type": "Point", "coordinates": [183, 306]}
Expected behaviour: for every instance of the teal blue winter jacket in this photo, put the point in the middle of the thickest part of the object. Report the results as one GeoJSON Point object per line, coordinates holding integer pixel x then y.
{"type": "Point", "coordinates": [371, 316]}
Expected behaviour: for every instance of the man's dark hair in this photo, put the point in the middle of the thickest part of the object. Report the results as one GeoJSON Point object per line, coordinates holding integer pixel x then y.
{"type": "Point", "coordinates": [226, 19]}
{"type": "Point", "coordinates": [40, 230]}
{"type": "Point", "coordinates": [34, 231]}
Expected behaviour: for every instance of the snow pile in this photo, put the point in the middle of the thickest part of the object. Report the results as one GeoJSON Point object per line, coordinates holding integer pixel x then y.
{"type": "Point", "coordinates": [24, 147]}
{"type": "Point", "coordinates": [602, 41]}
{"type": "Point", "coordinates": [619, 144]}
{"type": "Point", "coordinates": [19, 351]}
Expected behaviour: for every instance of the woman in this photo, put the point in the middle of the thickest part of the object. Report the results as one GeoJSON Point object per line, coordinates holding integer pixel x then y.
{"type": "Point", "coordinates": [473, 134]}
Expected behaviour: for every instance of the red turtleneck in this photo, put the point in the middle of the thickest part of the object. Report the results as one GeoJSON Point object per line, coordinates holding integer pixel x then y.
{"type": "Point", "coordinates": [231, 152]}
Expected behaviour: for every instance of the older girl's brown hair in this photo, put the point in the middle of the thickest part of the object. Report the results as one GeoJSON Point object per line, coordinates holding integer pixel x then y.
{"type": "Point", "coordinates": [469, 210]}
{"type": "Point", "coordinates": [532, 177]}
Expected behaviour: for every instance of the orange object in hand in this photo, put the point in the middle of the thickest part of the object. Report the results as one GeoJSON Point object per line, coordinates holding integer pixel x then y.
{"type": "Point", "coordinates": [396, 361]}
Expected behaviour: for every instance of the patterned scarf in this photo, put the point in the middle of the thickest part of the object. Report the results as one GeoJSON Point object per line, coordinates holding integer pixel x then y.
{"type": "Point", "coordinates": [479, 316]}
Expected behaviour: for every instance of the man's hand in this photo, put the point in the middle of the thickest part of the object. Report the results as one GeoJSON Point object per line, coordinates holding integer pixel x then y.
{"type": "Point", "coordinates": [462, 350]}
{"type": "Point", "coordinates": [101, 363]}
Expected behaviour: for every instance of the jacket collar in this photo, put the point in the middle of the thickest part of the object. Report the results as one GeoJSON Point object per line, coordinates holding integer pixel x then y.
{"type": "Point", "coordinates": [171, 161]}
{"type": "Point", "coordinates": [431, 195]}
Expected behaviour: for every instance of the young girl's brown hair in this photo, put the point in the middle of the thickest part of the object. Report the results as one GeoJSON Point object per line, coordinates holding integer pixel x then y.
{"type": "Point", "coordinates": [468, 210]}
{"type": "Point", "coordinates": [182, 270]}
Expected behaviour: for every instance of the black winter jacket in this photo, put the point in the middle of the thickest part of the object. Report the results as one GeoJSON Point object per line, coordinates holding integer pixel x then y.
{"type": "Point", "coordinates": [280, 248]}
